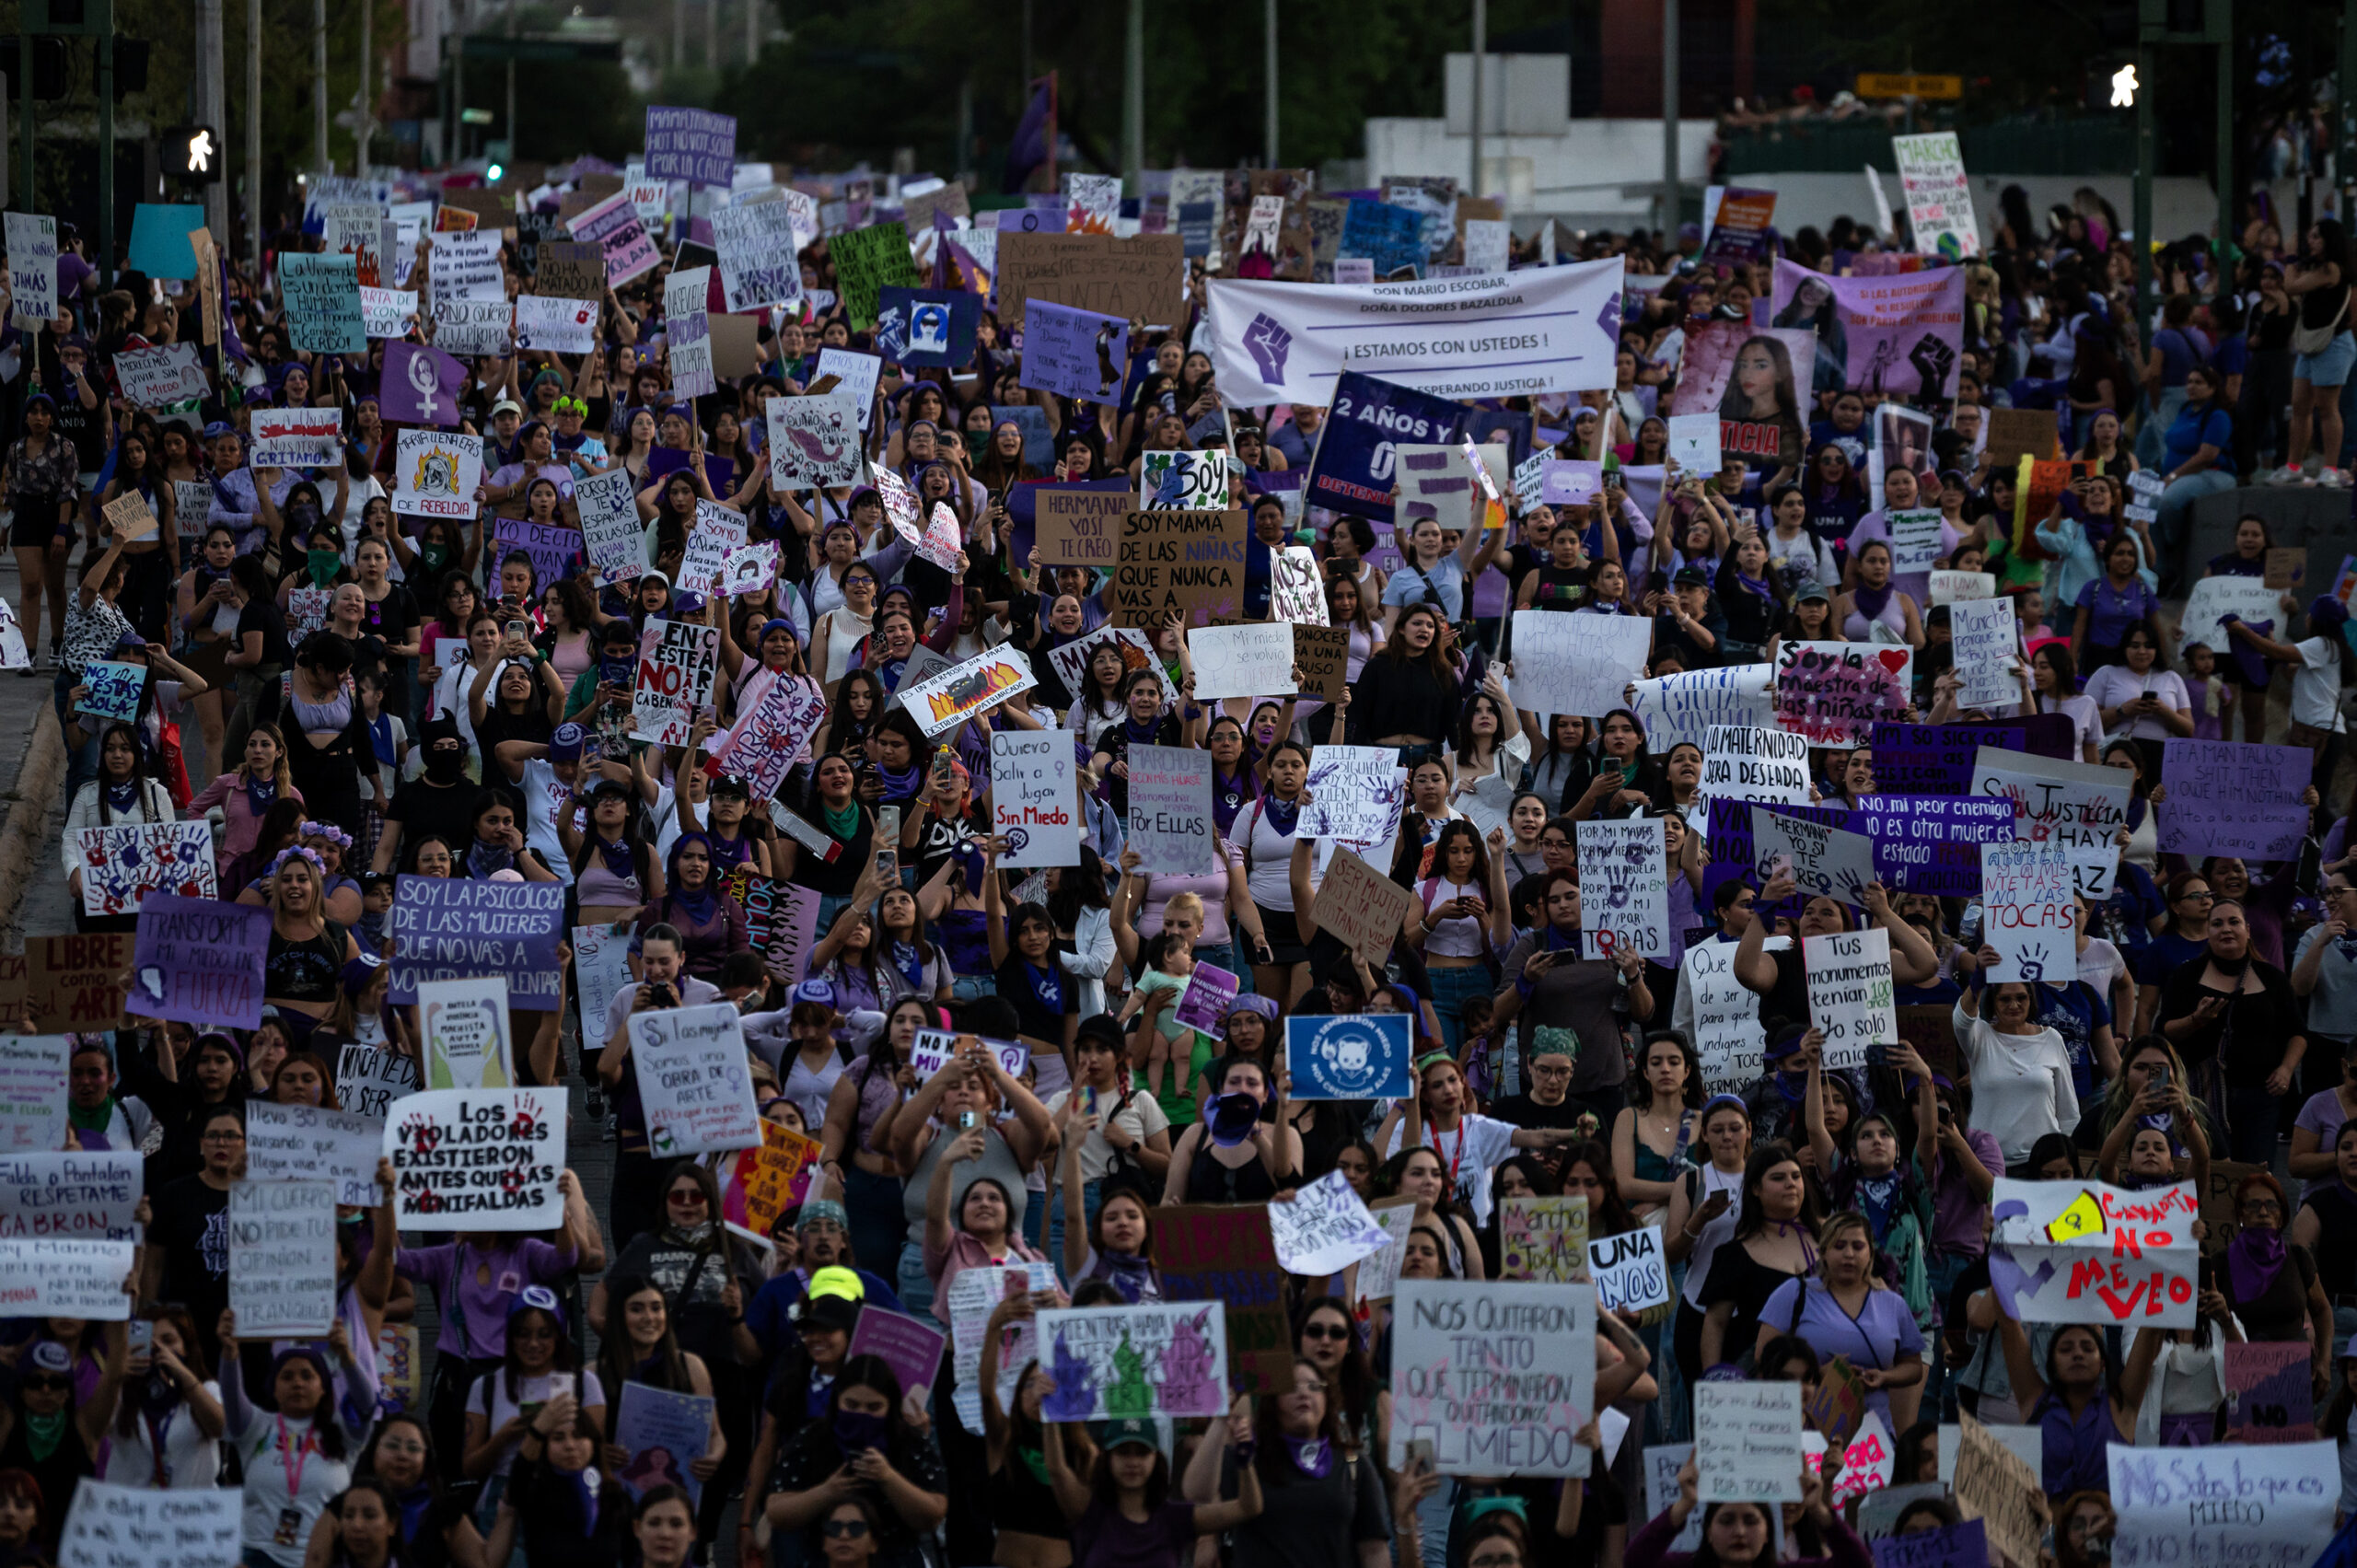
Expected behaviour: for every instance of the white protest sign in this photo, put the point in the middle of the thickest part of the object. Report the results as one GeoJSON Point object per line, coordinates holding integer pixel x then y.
{"type": "Point", "coordinates": [676, 662]}
{"type": "Point", "coordinates": [2084, 1252]}
{"type": "Point", "coordinates": [1687, 706]}
{"type": "Point", "coordinates": [32, 271]}
{"type": "Point", "coordinates": [478, 1159]}
{"type": "Point", "coordinates": [1962, 587]}
{"type": "Point", "coordinates": [436, 474]}
{"type": "Point", "coordinates": [1034, 798]}
{"type": "Point", "coordinates": [1478, 1373]}
{"type": "Point", "coordinates": [932, 1050]}
{"type": "Point", "coordinates": [71, 1196]}
{"type": "Point", "coordinates": [1725, 1015]}
{"type": "Point", "coordinates": [718, 530]}
{"type": "Point", "coordinates": [2027, 913]}
{"type": "Point", "coordinates": [1629, 1269]}
{"type": "Point", "coordinates": [1378, 1274]}
{"type": "Point", "coordinates": [560, 326]}
{"type": "Point", "coordinates": [1740, 763]}
{"type": "Point", "coordinates": [387, 312]}
{"type": "Point", "coordinates": [1169, 1357]}
{"type": "Point", "coordinates": [1624, 883]}
{"type": "Point", "coordinates": [610, 527]}
{"type": "Point", "coordinates": [297, 437]}
{"type": "Point", "coordinates": [1251, 660]}
{"type": "Point", "coordinates": [1747, 1442]}
{"type": "Point", "coordinates": [66, 1279]}
{"type": "Point", "coordinates": [467, 1041]}
{"type": "Point", "coordinates": [1914, 541]}
{"type": "Point", "coordinates": [694, 1080]}
{"type": "Point", "coordinates": [464, 265]}
{"type": "Point", "coordinates": [33, 1091]}
{"type": "Point", "coordinates": [1576, 664]}
{"type": "Point", "coordinates": [2212, 599]}
{"type": "Point", "coordinates": [281, 1259]}
{"type": "Point", "coordinates": [2224, 1508]}
{"type": "Point", "coordinates": [1823, 861]}
{"type": "Point", "coordinates": [1170, 810]}
{"type": "Point", "coordinates": [368, 1078]}
{"type": "Point", "coordinates": [2081, 804]}
{"type": "Point", "coordinates": [160, 377]}
{"type": "Point", "coordinates": [308, 1143]}
{"type": "Point", "coordinates": [1351, 795]}
{"type": "Point", "coordinates": [1296, 587]}
{"type": "Point", "coordinates": [141, 1526]}
{"type": "Point", "coordinates": [973, 1296]}
{"type": "Point", "coordinates": [1939, 201]}
{"type": "Point", "coordinates": [1694, 443]}
{"type": "Point", "coordinates": [1987, 643]}
{"type": "Point", "coordinates": [1849, 993]}
{"type": "Point", "coordinates": [1325, 1229]}
{"type": "Point", "coordinates": [855, 374]}
{"type": "Point", "coordinates": [813, 440]}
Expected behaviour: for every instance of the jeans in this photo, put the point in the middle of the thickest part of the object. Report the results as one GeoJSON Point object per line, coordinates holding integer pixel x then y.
{"type": "Point", "coordinates": [1450, 987]}
{"type": "Point", "coordinates": [2253, 1113]}
{"type": "Point", "coordinates": [915, 1286]}
{"type": "Point", "coordinates": [879, 1224]}
{"type": "Point", "coordinates": [2152, 439]}
{"type": "Point", "coordinates": [1433, 1517]}
{"type": "Point", "coordinates": [967, 987]}
{"type": "Point", "coordinates": [2174, 513]}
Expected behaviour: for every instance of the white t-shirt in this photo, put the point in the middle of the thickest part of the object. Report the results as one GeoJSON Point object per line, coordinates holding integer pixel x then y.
{"type": "Point", "coordinates": [2115, 684]}
{"type": "Point", "coordinates": [191, 1460]}
{"type": "Point", "coordinates": [544, 796]}
{"type": "Point", "coordinates": [2315, 686]}
{"type": "Point", "coordinates": [2099, 966]}
{"type": "Point", "coordinates": [1141, 1117]}
{"type": "Point", "coordinates": [1480, 1146]}
{"type": "Point", "coordinates": [536, 1391]}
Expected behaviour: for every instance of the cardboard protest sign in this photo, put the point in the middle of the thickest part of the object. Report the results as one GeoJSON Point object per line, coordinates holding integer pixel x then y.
{"type": "Point", "coordinates": [308, 1142]}
{"type": "Point", "coordinates": [913, 1350]}
{"type": "Point", "coordinates": [1747, 1442]}
{"type": "Point", "coordinates": [478, 1159]}
{"type": "Point", "coordinates": [368, 1078]}
{"type": "Point", "coordinates": [1726, 1032]}
{"type": "Point", "coordinates": [2015, 434]}
{"type": "Point", "coordinates": [1325, 1229]}
{"type": "Point", "coordinates": [1475, 1375]}
{"type": "Point", "coordinates": [571, 269]}
{"type": "Point", "coordinates": [463, 1024]}
{"type": "Point", "coordinates": [1629, 1269]}
{"type": "Point", "coordinates": [2210, 1507]}
{"type": "Point", "coordinates": [136, 1526]}
{"type": "Point", "coordinates": [1075, 524]}
{"type": "Point", "coordinates": [663, 1433]}
{"type": "Point", "coordinates": [450, 928]}
{"type": "Point", "coordinates": [1849, 993]}
{"type": "Point", "coordinates": [2270, 1398]}
{"type": "Point", "coordinates": [2285, 568]}
{"type": "Point", "coordinates": [199, 960]}
{"type": "Point", "coordinates": [282, 1258]}
{"type": "Point", "coordinates": [436, 474]}
{"type": "Point", "coordinates": [1835, 692]}
{"type": "Point", "coordinates": [1174, 560]}
{"type": "Point", "coordinates": [1576, 664]}
{"type": "Point", "coordinates": [1961, 1545]}
{"type": "Point", "coordinates": [940, 702]}
{"type": "Point", "coordinates": [1544, 1239]}
{"type": "Point", "coordinates": [123, 865]}
{"type": "Point", "coordinates": [1170, 810]}
{"type": "Point", "coordinates": [776, 717]}
{"type": "Point", "coordinates": [614, 226]}
{"type": "Point", "coordinates": [1688, 706]}
{"type": "Point", "coordinates": [1362, 908]}
{"type": "Point", "coordinates": [2026, 901]}
{"type": "Point", "coordinates": [2232, 799]}
{"type": "Point", "coordinates": [1158, 1358]}
{"type": "Point", "coordinates": [1143, 278]}
{"type": "Point", "coordinates": [759, 1185]}
{"type": "Point", "coordinates": [67, 985]}
{"type": "Point", "coordinates": [1322, 655]}
{"type": "Point", "coordinates": [610, 529]}
{"type": "Point", "coordinates": [676, 664]}
{"type": "Point", "coordinates": [1378, 1272]}
{"type": "Point", "coordinates": [2084, 1252]}
{"type": "Point", "coordinates": [694, 1080]}
{"type": "Point", "coordinates": [1278, 342]}
{"type": "Point", "coordinates": [71, 1196]}
{"type": "Point", "coordinates": [1215, 1252]}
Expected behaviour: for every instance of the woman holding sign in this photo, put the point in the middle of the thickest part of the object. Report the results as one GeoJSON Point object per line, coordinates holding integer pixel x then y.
{"type": "Point", "coordinates": [294, 1453]}
{"type": "Point", "coordinates": [1845, 1311]}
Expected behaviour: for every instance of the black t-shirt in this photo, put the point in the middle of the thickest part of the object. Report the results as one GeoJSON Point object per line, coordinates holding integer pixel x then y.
{"type": "Point", "coordinates": [1043, 999]}
{"type": "Point", "coordinates": [1524, 1111]}
{"type": "Point", "coordinates": [192, 1225]}
{"type": "Point", "coordinates": [430, 811]}
{"type": "Point", "coordinates": [1303, 1521]}
{"type": "Point", "coordinates": [260, 615]}
{"type": "Point", "coordinates": [392, 619]}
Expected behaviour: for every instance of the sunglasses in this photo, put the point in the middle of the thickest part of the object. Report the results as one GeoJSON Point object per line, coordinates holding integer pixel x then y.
{"type": "Point", "coordinates": [1324, 1331]}
{"type": "Point", "coordinates": [693, 1198]}
{"type": "Point", "coordinates": [45, 1384]}
{"type": "Point", "coordinates": [846, 1529]}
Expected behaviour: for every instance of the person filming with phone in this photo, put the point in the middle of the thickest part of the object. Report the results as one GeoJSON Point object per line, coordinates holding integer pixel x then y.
{"type": "Point", "coordinates": [662, 983]}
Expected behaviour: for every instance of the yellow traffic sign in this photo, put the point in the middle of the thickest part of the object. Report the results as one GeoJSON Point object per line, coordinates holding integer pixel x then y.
{"type": "Point", "coordinates": [1897, 84]}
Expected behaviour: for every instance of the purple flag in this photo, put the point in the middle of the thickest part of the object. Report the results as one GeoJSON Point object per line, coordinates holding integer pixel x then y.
{"type": "Point", "coordinates": [420, 385]}
{"type": "Point", "coordinates": [1034, 139]}
{"type": "Point", "coordinates": [200, 961]}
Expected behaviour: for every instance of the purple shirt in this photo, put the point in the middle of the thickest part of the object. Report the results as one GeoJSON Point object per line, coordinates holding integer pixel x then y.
{"type": "Point", "coordinates": [1102, 1538]}
{"type": "Point", "coordinates": [1881, 1335]}
{"type": "Point", "coordinates": [474, 1317]}
{"type": "Point", "coordinates": [1955, 1212]}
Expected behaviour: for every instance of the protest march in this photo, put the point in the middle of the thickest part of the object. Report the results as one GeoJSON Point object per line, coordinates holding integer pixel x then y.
{"type": "Point", "coordinates": [766, 866]}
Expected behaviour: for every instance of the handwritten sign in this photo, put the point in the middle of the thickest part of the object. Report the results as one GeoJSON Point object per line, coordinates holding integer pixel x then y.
{"type": "Point", "coordinates": [451, 928]}
{"type": "Point", "coordinates": [694, 1080]}
{"type": "Point", "coordinates": [308, 1142]}
{"type": "Point", "coordinates": [1576, 664]}
{"type": "Point", "coordinates": [1189, 561]}
{"type": "Point", "coordinates": [134, 1526]}
{"type": "Point", "coordinates": [1988, 651]}
{"type": "Point", "coordinates": [464, 1026]}
{"type": "Point", "coordinates": [1161, 1358]}
{"type": "Point", "coordinates": [910, 1349]}
{"type": "Point", "coordinates": [1849, 993]}
{"type": "Point", "coordinates": [478, 1159]}
{"type": "Point", "coordinates": [1362, 908]}
{"type": "Point", "coordinates": [2231, 799]}
{"type": "Point", "coordinates": [2084, 1252]}
{"type": "Point", "coordinates": [2269, 1396]}
{"type": "Point", "coordinates": [2210, 1507]}
{"type": "Point", "coordinates": [1215, 1252]}
{"type": "Point", "coordinates": [1544, 1239]}
{"type": "Point", "coordinates": [1740, 763]}
{"type": "Point", "coordinates": [297, 437]}
{"type": "Point", "coordinates": [2028, 910]}
{"type": "Point", "coordinates": [1253, 659]}
{"type": "Point", "coordinates": [1747, 1442]}
{"type": "Point", "coordinates": [1325, 1229]}
{"type": "Point", "coordinates": [1170, 810]}
{"type": "Point", "coordinates": [663, 1433]}
{"type": "Point", "coordinates": [1727, 1033]}
{"type": "Point", "coordinates": [199, 960]}
{"type": "Point", "coordinates": [1478, 1373]}
{"type": "Point", "coordinates": [368, 1078]}
{"type": "Point", "coordinates": [71, 1196]}
{"type": "Point", "coordinates": [1835, 692]}
{"type": "Point", "coordinates": [676, 662]}
{"type": "Point", "coordinates": [759, 1185]}
{"type": "Point", "coordinates": [282, 1258]}
{"type": "Point", "coordinates": [1629, 1269]}
{"type": "Point", "coordinates": [122, 865]}
{"type": "Point", "coordinates": [1688, 706]}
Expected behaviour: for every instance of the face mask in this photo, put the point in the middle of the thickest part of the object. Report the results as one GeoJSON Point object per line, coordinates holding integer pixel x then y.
{"type": "Point", "coordinates": [1233, 1119]}
{"type": "Point", "coordinates": [303, 514]}
{"type": "Point", "coordinates": [443, 767]}
{"type": "Point", "coordinates": [436, 556]}
{"type": "Point", "coordinates": [323, 564]}
{"type": "Point", "coordinates": [855, 1431]}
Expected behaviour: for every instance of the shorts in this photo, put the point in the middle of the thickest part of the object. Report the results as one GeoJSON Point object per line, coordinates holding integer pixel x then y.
{"type": "Point", "coordinates": [33, 523]}
{"type": "Point", "coordinates": [1284, 932]}
{"type": "Point", "coordinates": [2330, 367]}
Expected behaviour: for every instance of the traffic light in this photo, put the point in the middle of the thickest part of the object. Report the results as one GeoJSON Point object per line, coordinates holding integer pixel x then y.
{"type": "Point", "coordinates": [53, 69]}
{"type": "Point", "coordinates": [129, 66]}
{"type": "Point", "coordinates": [192, 152]}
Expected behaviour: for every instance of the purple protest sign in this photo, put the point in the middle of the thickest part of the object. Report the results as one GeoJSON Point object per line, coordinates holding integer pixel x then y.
{"type": "Point", "coordinates": [2231, 799]}
{"type": "Point", "coordinates": [420, 385]}
{"type": "Point", "coordinates": [912, 1351]}
{"type": "Point", "coordinates": [452, 928]}
{"type": "Point", "coordinates": [1930, 843]}
{"type": "Point", "coordinates": [556, 550]}
{"type": "Point", "coordinates": [199, 961]}
{"type": "Point", "coordinates": [1208, 998]}
{"type": "Point", "coordinates": [694, 145]}
{"type": "Point", "coordinates": [1073, 354]}
{"type": "Point", "coordinates": [1936, 759]}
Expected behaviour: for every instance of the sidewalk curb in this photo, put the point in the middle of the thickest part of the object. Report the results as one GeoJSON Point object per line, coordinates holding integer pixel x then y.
{"type": "Point", "coordinates": [34, 791]}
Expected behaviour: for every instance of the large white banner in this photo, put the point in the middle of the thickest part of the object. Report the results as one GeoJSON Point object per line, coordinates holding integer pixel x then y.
{"type": "Point", "coordinates": [2083, 1253]}
{"type": "Point", "coordinates": [1475, 1374]}
{"type": "Point", "coordinates": [1548, 330]}
{"type": "Point", "coordinates": [2267, 1507]}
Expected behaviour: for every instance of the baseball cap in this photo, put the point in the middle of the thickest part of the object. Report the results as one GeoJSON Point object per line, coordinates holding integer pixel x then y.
{"type": "Point", "coordinates": [1123, 1431]}
{"type": "Point", "coordinates": [1692, 577]}
{"type": "Point", "coordinates": [506, 405]}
